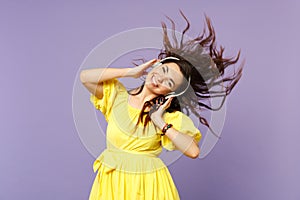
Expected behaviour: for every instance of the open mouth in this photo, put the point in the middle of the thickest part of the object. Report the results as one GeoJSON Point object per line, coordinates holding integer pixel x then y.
{"type": "Point", "coordinates": [154, 81]}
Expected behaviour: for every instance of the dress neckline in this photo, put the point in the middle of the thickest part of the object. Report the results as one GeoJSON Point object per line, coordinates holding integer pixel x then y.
{"type": "Point", "coordinates": [130, 106]}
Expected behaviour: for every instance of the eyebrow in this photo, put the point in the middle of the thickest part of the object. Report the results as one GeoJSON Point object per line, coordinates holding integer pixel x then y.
{"type": "Point", "coordinates": [170, 79]}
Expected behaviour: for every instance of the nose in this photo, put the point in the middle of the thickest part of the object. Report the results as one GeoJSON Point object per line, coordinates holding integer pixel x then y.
{"type": "Point", "coordinates": [161, 79]}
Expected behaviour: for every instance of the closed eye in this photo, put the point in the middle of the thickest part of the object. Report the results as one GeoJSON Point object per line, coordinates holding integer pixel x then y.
{"type": "Point", "coordinates": [166, 70]}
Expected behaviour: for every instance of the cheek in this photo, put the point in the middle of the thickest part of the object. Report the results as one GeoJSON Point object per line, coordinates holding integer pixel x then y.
{"type": "Point", "coordinates": [165, 90]}
{"type": "Point", "coordinates": [158, 90]}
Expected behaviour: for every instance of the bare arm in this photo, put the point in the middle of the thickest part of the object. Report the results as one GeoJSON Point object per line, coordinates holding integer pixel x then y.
{"type": "Point", "coordinates": [182, 142]}
{"type": "Point", "coordinates": [93, 79]}
{"type": "Point", "coordinates": [185, 143]}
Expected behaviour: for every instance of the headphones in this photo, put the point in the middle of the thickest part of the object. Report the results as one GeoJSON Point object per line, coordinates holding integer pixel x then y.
{"type": "Point", "coordinates": [162, 60]}
{"type": "Point", "coordinates": [172, 94]}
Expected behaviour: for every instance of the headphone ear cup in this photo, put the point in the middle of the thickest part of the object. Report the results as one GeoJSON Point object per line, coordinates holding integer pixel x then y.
{"type": "Point", "coordinates": [171, 94]}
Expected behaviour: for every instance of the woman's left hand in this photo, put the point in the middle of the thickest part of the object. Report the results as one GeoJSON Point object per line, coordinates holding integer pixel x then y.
{"type": "Point", "coordinates": [156, 112]}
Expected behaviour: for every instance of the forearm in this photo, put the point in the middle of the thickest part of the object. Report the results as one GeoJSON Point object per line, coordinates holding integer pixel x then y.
{"type": "Point", "coordinates": [98, 75]}
{"type": "Point", "coordinates": [183, 142]}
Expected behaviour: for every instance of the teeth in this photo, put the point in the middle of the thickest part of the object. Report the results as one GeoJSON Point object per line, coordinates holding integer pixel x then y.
{"type": "Point", "coordinates": [154, 81]}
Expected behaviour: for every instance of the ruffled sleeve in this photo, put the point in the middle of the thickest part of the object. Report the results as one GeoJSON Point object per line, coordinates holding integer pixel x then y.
{"type": "Point", "coordinates": [110, 91]}
{"type": "Point", "coordinates": [181, 123]}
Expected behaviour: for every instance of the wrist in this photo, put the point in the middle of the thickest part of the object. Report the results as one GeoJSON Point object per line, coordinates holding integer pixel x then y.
{"type": "Point", "coordinates": [165, 128]}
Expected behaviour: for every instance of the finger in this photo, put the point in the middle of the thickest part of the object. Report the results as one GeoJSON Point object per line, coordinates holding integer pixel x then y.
{"type": "Point", "coordinates": [167, 103]}
{"type": "Point", "coordinates": [154, 108]}
{"type": "Point", "coordinates": [149, 63]}
{"type": "Point", "coordinates": [152, 61]}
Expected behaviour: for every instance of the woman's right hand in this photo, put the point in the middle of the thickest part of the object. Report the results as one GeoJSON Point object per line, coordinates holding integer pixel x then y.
{"type": "Point", "coordinates": [140, 70]}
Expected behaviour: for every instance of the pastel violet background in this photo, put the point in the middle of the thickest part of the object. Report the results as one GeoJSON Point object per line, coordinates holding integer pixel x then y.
{"type": "Point", "coordinates": [43, 45]}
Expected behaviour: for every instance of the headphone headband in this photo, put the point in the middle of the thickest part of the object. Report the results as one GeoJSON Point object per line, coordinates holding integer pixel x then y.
{"type": "Point", "coordinates": [162, 60]}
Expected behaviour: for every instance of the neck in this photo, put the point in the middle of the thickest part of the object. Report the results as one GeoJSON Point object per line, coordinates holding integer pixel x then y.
{"type": "Point", "coordinates": [146, 95]}
{"type": "Point", "coordinates": [142, 97]}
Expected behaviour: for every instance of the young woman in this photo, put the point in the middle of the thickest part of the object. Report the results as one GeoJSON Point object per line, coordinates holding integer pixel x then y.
{"type": "Point", "coordinates": [144, 120]}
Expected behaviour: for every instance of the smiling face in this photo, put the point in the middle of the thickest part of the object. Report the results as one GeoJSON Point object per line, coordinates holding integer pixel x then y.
{"type": "Point", "coordinates": [164, 79]}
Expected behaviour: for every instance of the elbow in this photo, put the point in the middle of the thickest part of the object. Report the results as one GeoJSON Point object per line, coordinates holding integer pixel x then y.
{"type": "Point", "coordinates": [82, 77]}
{"type": "Point", "coordinates": [195, 154]}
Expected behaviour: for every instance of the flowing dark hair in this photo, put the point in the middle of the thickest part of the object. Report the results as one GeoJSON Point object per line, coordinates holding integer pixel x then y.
{"type": "Point", "coordinates": [200, 59]}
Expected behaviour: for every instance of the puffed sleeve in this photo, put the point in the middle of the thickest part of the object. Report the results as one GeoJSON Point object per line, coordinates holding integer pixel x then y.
{"type": "Point", "coordinates": [110, 90]}
{"type": "Point", "coordinates": [181, 123]}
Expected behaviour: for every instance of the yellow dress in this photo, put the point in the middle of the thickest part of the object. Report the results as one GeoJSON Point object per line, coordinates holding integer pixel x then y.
{"type": "Point", "coordinates": [129, 168]}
